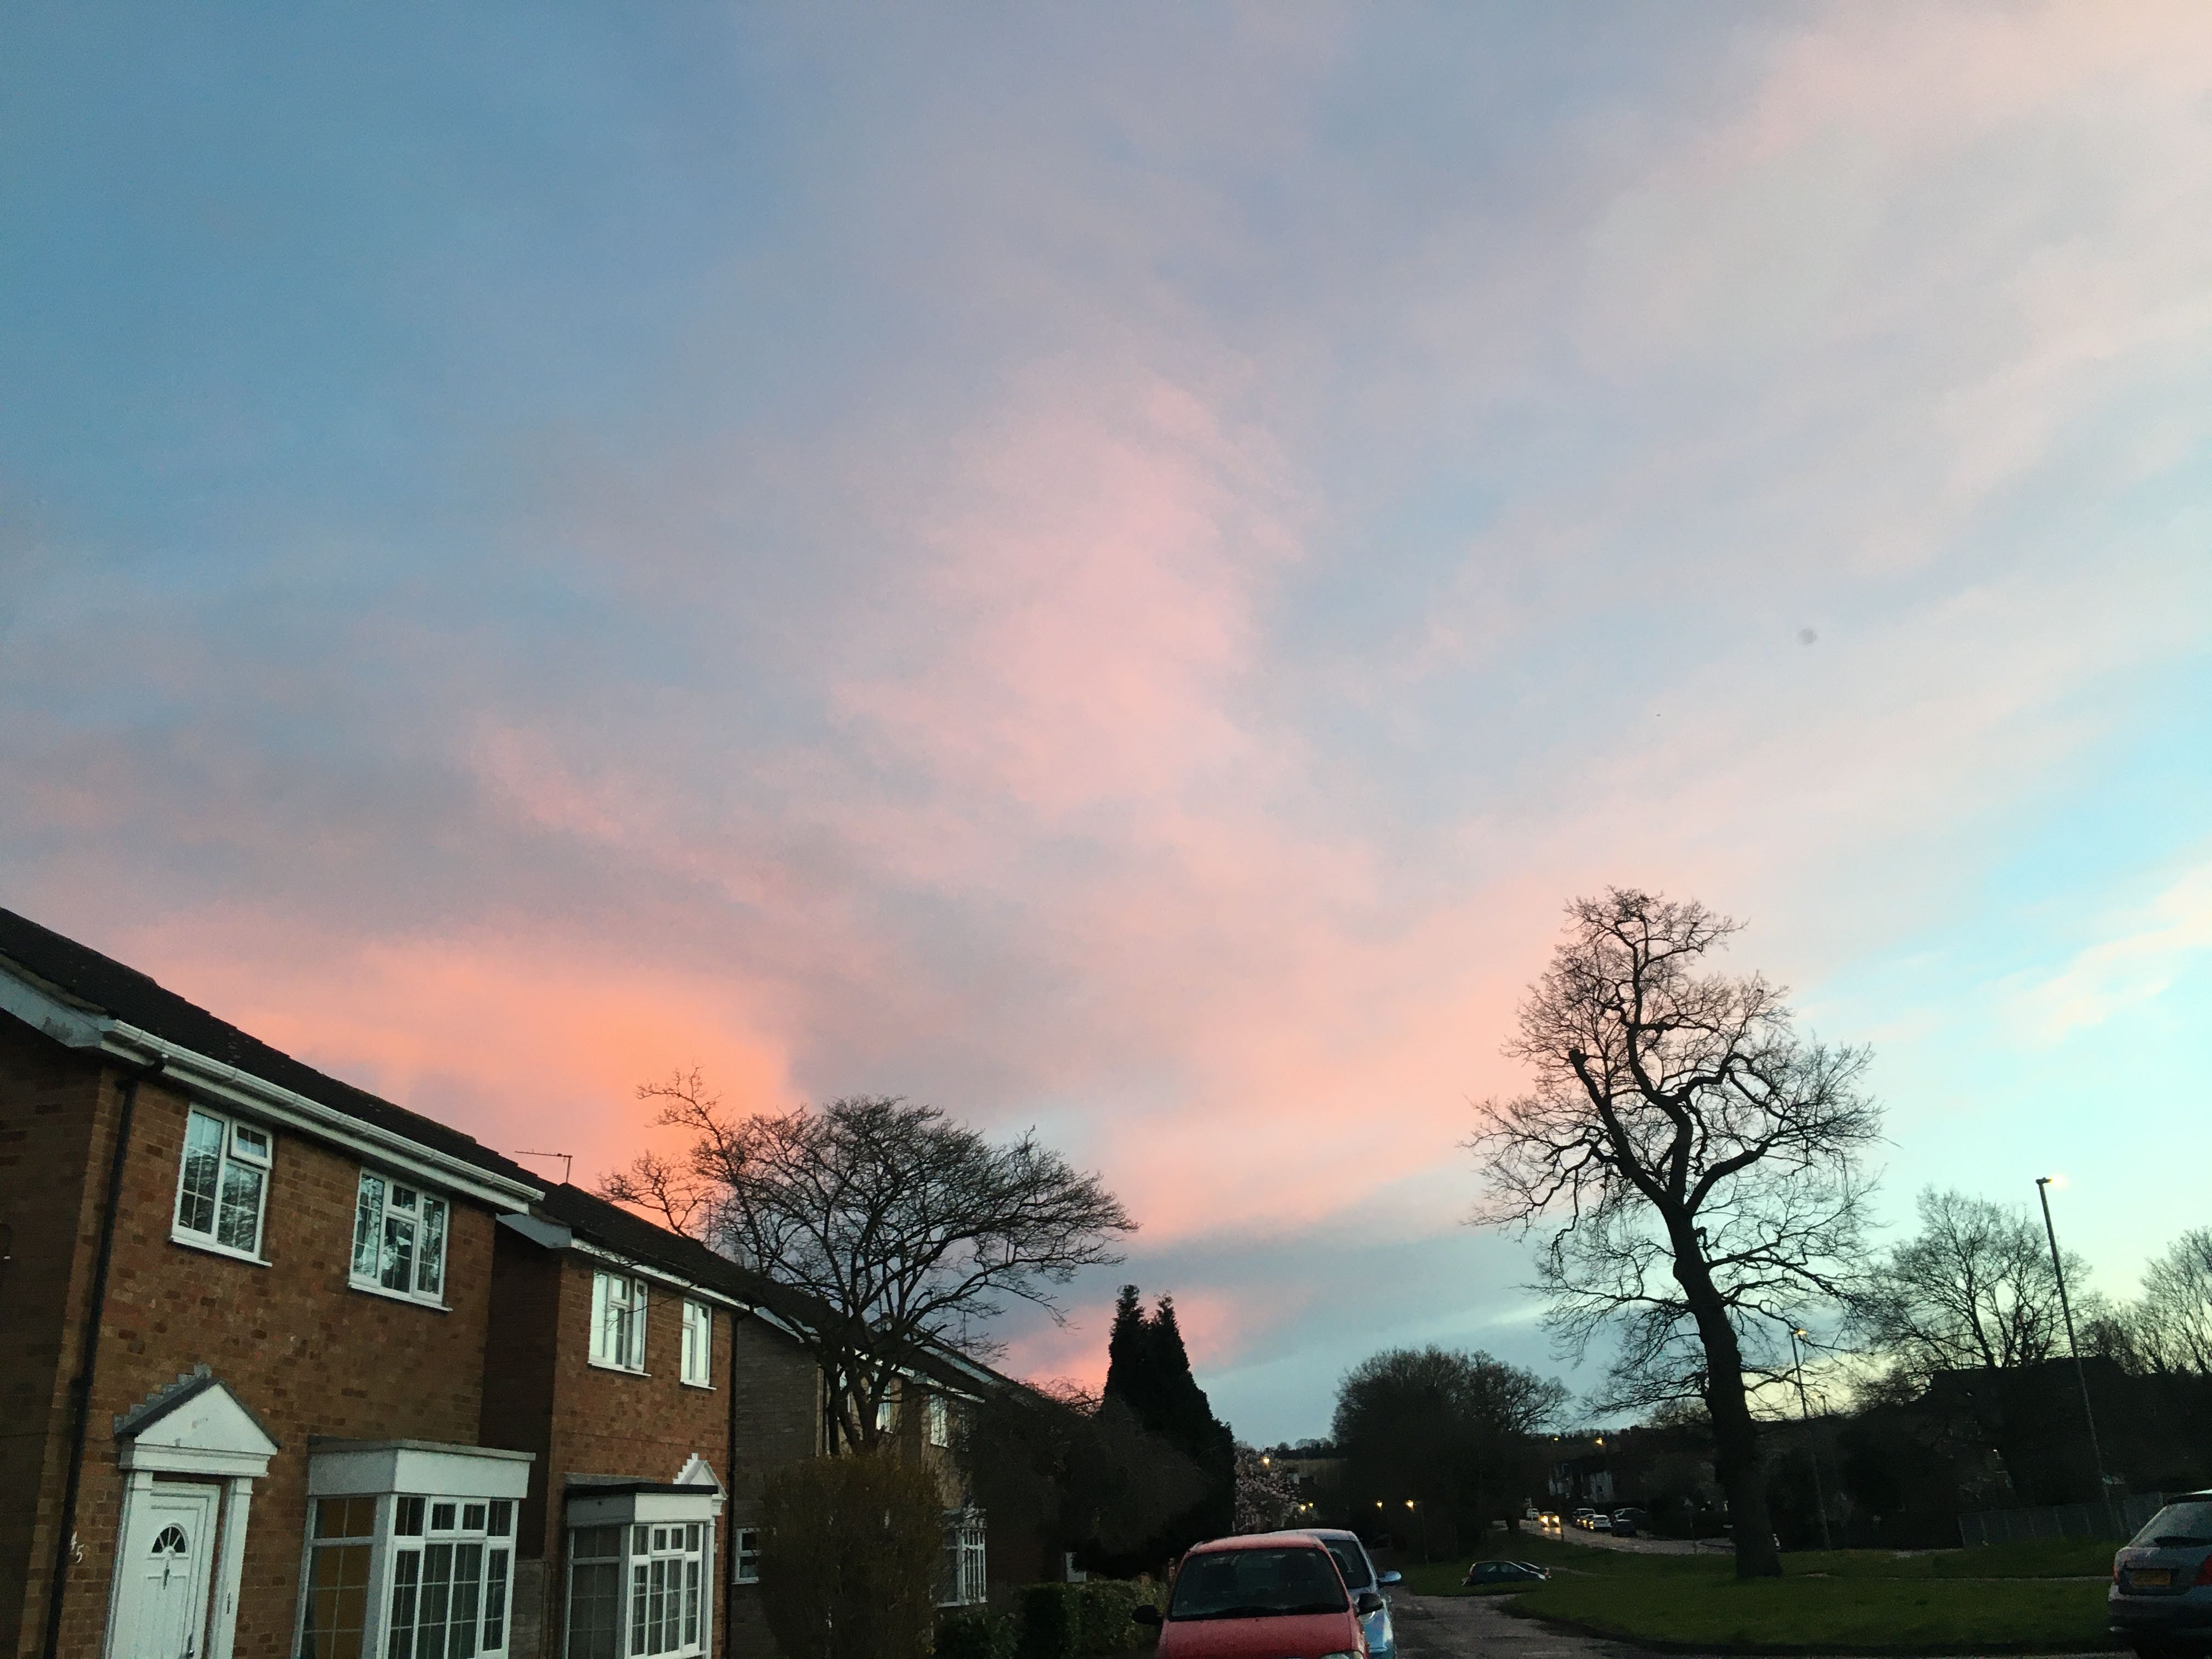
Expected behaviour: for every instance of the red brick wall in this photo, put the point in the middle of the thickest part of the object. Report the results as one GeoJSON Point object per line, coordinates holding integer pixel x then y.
{"type": "Point", "coordinates": [57, 1128]}
{"type": "Point", "coordinates": [779, 1422]}
{"type": "Point", "coordinates": [308, 1354]}
{"type": "Point", "coordinates": [597, 1421]}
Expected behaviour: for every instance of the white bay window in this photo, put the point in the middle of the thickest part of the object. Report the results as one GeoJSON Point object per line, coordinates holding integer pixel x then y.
{"type": "Point", "coordinates": [639, 1572]}
{"type": "Point", "coordinates": [410, 1550]}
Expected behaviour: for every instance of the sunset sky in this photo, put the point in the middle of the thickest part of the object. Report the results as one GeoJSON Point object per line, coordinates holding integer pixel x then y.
{"type": "Point", "coordinates": [1113, 568]}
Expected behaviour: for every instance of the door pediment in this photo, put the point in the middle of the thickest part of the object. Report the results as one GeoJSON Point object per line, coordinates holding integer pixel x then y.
{"type": "Point", "coordinates": [197, 1426]}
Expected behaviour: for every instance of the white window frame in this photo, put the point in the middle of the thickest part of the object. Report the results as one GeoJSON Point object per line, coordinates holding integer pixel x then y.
{"type": "Point", "coordinates": [681, 1549]}
{"type": "Point", "coordinates": [425, 1216]}
{"type": "Point", "coordinates": [887, 1413]}
{"type": "Point", "coordinates": [619, 1313]}
{"type": "Point", "coordinates": [936, 1420]}
{"type": "Point", "coordinates": [697, 1361]}
{"type": "Point", "coordinates": [405, 1532]}
{"type": "Point", "coordinates": [745, 1555]}
{"type": "Point", "coordinates": [237, 1149]}
{"type": "Point", "coordinates": [967, 1559]}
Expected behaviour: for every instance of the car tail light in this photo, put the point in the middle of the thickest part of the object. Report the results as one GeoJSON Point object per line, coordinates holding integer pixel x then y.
{"type": "Point", "coordinates": [2204, 1572]}
{"type": "Point", "coordinates": [2116, 1568]}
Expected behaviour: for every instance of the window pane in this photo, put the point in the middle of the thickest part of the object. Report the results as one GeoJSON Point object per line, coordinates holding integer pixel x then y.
{"type": "Point", "coordinates": [637, 1608]}
{"type": "Point", "coordinates": [203, 1165]}
{"type": "Point", "coordinates": [409, 1521]}
{"type": "Point", "coordinates": [251, 1144]}
{"type": "Point", "coordinates": [595, 1608]}
{"type": "Point", "coordinates": [398, 1273]}
{"type": "Point", "coordinates": [431, 1270]}
{"type": "Point", "coordinates": [692, 1601]}
{"type": "Point", "coordinates": [407, 1569]}
{"type": "Point", "coordinates": [367, 1225]}
{"type": "Point", "coordinates": [441, 1517]}
{"type": "Point", "coordinates": [473, 1518]}
{"type": "Point", "coordinates": [403, 1197]}
{"type": "Point", "coordinates": [468, 1589]}
{"type": "Point", "coordinates": [502, 1514]}
{"type": "Point", "coordinates": [595, 1544]}
{"type": "Point", "coordinates": [238, 1222]}
{"type": "Point", "coordinates": [337, 1602]}
{"type": "Point", "coordinates": [437, 1594]}
{"type": "Point", "coordinates": [494, 1618]}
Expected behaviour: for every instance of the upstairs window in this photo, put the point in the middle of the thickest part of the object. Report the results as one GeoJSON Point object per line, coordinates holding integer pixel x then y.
{"type": "Point", "coordinates": [223, 1187]}
{"type": "Point", "coordinates": [748, 1555]}
{"type": "Point", "coordinates": [618, 1321]}
{"type": "Point", "coordinates": [399, 1239]}
{"type": "Point", "coordinates": [698, 1345]}
{"type": "Point", "coordinates": [940, 1420]}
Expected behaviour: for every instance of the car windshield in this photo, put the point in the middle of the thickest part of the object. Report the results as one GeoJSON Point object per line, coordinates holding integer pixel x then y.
{"type": "Point", "coordinates": [2179, 1524]}
{"type": "Point", "coordinates": [1258, 1583]}
{"type": "Point", "coordinates": [1350, 1561]}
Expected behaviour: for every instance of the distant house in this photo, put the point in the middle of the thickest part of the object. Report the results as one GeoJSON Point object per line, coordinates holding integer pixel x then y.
{"type": "Point", "coordinates": [293, 1371]}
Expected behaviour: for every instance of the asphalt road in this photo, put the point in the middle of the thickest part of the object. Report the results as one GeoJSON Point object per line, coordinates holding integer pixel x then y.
{"type": "Point", "coordinates": [1475, 1627]}
{"type": "Point", "coordinates": [1465, 1626]}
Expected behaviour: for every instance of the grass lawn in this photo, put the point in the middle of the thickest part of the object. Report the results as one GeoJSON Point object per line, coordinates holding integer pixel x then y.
{"type": "Point", "coordinates": [2015, 1598]}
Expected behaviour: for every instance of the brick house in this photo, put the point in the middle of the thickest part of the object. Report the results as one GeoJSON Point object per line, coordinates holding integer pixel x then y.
{"type": "Point", "coordinates": [293, 1371]}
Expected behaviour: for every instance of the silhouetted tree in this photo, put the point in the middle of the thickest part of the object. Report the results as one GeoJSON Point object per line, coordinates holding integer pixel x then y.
{"type": "Point", "coordinates": [1444, 1428]}
{"type": "Point", "coordinates": [906, 1228]}
{"type": "Point", "coordinates": [1701, 1159]}
{"type": "Point", "coordinates": [1148, 1375]}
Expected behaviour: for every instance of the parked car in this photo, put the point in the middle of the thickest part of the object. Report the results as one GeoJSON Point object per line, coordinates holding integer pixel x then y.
{"type": "Point", "coordinates": [2161, 1601]}
{"type": "Point", "coordinates": [1260, 1597]}
{"type": "Point", "coordinates": [1356, 1568]}
{"type": "Point", "coordinates": [1504, 1572]}
{"type": "Point", "coordinates": [1626, 1524]}
{"type": "Point", "coordinates": [1581, 1517]}
{"type": "Point", "coordinates": [1600, 1523]}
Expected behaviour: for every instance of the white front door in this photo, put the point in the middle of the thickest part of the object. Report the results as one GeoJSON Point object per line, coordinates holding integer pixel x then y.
{"type": "Point", "coordinates": [168, 1561]}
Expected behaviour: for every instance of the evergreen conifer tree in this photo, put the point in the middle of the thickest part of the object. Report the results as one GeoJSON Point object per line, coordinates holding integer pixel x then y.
{"type": "Point", "coordinates": [1148, 1374]}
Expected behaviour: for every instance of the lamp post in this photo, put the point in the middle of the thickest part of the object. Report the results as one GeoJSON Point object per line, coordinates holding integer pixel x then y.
{"type": "Point", "coordinates": [1422, 1515]}
{"type": "Point", "coordinates": [1805, 1413]}
{"type": "Point", "coordinates": [2081, 1373]}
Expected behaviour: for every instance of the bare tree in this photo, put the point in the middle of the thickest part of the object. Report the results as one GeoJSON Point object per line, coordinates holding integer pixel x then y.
{"type": "Point", "coordinates": [1699, 1160]}
{"type": "Point", "coordinates": [2172, 1325]}
{"type": "Point", "coordinates": [1973, 1292]}
{"type": "Point", "coordinates": [908, 1230]}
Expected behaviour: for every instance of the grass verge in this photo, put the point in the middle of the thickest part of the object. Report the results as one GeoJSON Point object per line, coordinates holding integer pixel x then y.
{"type": "Point", "coordinates": [2024, 1598]}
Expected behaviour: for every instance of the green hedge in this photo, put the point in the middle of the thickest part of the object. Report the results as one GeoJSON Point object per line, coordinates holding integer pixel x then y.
{"type": "Point", "coordinates": [1072, 1621]}
{"type": "Point", "coordinates": [976, 1633]}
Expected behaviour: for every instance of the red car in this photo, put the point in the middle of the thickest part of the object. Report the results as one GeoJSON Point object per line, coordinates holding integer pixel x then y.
{"type": "Point", "coordinates": [1269, 1596]}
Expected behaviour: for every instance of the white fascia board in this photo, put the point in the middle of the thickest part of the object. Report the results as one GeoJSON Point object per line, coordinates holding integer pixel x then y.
{"type": "Point", "coordinates": [43, 1010]}
{"type": "Point", "coordinates": [225, 1083]}
{"type": "Point", "coordinates": [653, 1270]}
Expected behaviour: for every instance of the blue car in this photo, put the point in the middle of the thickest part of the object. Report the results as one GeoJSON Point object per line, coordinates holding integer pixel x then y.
{"type": "Point", "coordinates": [1359, 1574]}
{"type": "Point", "coordinates": [2161, 1602]}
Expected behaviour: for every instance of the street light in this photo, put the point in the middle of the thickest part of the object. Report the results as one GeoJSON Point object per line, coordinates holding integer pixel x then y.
{"type": "Point", "coordinates": [1804, 1411]}
{"type": "Point", "coordinates": [2081, 1374]}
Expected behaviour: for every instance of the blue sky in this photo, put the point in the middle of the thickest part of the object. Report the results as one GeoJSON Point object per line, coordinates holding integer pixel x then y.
{"type": "Point", "coordinates": [1113, 568]}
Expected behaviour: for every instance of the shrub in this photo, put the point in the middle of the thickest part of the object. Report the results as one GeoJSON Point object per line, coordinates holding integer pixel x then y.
{"type": "Point", "coordinates": [976, 1633]}
{"type": "Point", "coordinates": [851, 1548]}
{"type": "Point", "coordinates": [1084, 1621]}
